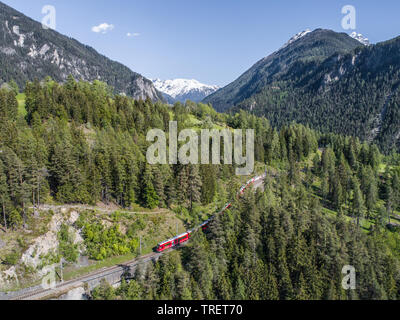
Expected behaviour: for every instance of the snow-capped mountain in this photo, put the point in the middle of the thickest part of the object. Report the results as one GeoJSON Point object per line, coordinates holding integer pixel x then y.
{"type": "Point", "coordinates": [184, 89]}
{"type": "Point", "coordinates": [297, 37]}
{"type": "Point", "coordinates": [359, 37]}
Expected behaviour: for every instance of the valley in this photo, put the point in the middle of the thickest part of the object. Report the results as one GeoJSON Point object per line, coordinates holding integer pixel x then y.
{"type": "Point", "coordinates": [278, 186]}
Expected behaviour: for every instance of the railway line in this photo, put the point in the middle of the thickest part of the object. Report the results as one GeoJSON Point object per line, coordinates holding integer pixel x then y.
{"type": "Point", "coordinates": [41, 293]}
{"type": "Point", "coordinates": [162, 248]}
{"type": "Point", "coordinates": [180, 239]}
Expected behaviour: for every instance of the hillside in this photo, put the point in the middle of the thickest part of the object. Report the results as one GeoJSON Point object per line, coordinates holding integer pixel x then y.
{"type": "Point", "coordinates": [348, 88]}
{"type": "Point", "coordinates": [81, 150]}
{"type": "Point", "coordinates": [27, 51]}
{"type": "Point", "coordinates": [74, 183]}
{"type": "Point", "coordinates": [305, 50]}
{"type": "Point", "coordinates": [356, 94]}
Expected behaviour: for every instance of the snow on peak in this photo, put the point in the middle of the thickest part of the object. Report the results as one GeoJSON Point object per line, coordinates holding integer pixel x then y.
{"type": "Point", "coordinates": [185, 89]}
{"type": "Point", "coordinates": [359, 37]}
{"type": "Point", "coordinates": [297, 37]}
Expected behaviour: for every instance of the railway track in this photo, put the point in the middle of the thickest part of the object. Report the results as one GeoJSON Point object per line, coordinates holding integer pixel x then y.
{"type": "Point", "coordinates": [64, 287]}
{"type": "Point", "coordinates": [71, 284]}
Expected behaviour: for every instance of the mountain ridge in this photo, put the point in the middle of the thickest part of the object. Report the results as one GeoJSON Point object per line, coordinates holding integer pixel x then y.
{"type": "Point", "coordinates": [355, 93]}
{"type": "Point", "coordinates": [27, 51]}
{"type": "Point", "coordinates": [310, 49]}
{"type": "Point", "coordinates": [180, 90]}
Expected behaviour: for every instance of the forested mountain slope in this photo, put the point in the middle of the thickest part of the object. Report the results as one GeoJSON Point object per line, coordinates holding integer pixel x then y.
{"type": "Point", "coordinates": [269, 249]}
{"type": "Point", "coordinates": [356, 94]}
{"type": "Point", "coordinates": [291, 241]}
{"type": "Point", "coordinates": [354, 91]}
{"type": "Point", "coordinates": [27, 52]}
{"type": "Point", "coordinates": [79, 143]}
{"type": "Point", "coordinates": [329, 201]}
{"type": "Point", "coordinates": [306, 51]}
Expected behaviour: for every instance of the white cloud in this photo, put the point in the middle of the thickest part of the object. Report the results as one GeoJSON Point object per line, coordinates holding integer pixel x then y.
{"type": "Point", "coordinates": [136, 34]}
{"type": "Point", "coordinates": [103, 28]}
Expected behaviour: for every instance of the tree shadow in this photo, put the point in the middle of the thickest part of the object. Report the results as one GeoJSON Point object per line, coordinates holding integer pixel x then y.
{"type": "Point", "coordinates": [126, 274]}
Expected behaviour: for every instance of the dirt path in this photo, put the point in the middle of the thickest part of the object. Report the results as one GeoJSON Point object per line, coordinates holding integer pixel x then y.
{"type": "Point", "coordinates": [46, 207]}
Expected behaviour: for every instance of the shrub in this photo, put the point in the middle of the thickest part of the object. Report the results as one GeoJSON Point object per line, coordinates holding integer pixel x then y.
{"type": "Point", "coordinates": [12, 258]}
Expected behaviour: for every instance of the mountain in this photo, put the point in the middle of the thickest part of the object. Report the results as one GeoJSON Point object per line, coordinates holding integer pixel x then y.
{"type": "Point", "coordinates": [296, 37]}
{"type": "Point", "coordinates": [184, 89]}
{"type": "Point", "coordinates": [302, 53]}
{"type": "Point", "coordinates": [27, 51]}
{"type": "Point", "coordinates": [360, 38]}
{"type": "Point", "coordinates": [328, 81]}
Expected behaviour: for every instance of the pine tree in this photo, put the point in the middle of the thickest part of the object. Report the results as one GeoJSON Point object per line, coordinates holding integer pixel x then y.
{"type": "Point", "coordinates": [293, 174]}
{"type": "Point", "coordinates": [371, 197]}
{"type": "Point", "coordinates": [272, 292]}
{"type": "Point", "coordinates": [15, 218]}
{"type": "Point", "coordinates": [4, 193]}
{"type": "Point", "coordinates": [358, 201]}
{"type": "Point", "coordinates": [396, 189]}
{"type": "Point", "coordinates": [182, 184]}
{"type": "Point", "coordinates": [309, 177]}
{"type": "Point", "coordinates": [301, 292]}
{"type": "Point", "coordinates": [14, 86]}
{"type": "Point", "coordinates": [159, 185]}
{"type": "Point", "coordinates": [316, 164]}
{"type": "Point", "coordinates": [388, 194]}
{"type": "Point", "coordinates": [194, 186]}
{"type": "Point", "coordinates": [325, 186]}
{"type": "Point", "coordinates": [337, 190]}
{"type": "Point", "coordinates": [208, 178]}
{"type": "Point", "coordinates": [285, 283]}
{"type": "Point", "coordinates": [328, 161]}
{"type": "Point", "coordinates": [171, 191]}
{"type": "Point", "coordinates": [149, 195]}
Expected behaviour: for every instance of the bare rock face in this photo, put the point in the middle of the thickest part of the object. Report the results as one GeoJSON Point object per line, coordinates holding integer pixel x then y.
{"type": "Point", "coordinates": [145, 89]}
{"type": "Point", "coordinates": [8, 277]}
{"type": "Point", "coordinates": [48, 243]}
{"type": "Point", "coordinates": [43, 245]}
{"type": "Point", "coordinates": [27, 51]}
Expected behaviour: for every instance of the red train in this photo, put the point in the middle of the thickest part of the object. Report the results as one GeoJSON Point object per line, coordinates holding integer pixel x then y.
{"type": "Point", "coordinates": [174, 242]}
{"type": "Point", "coordinates": [178, 240]}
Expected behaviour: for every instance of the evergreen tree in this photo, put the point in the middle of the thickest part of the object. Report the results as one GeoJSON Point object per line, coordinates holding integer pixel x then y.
{"type": "Point", "coordinates": [182, 184]}
{"type": "Point", "coordinates": [159, 186]}
{"type": "Point", "coordinates": [208, 188]}
{"type": "Point", "coordinates": [358, 201]}
{"type": "Point", "coordinates": [194, 186]}
{"type": "Point", "coordinates": [149, 195]}
{"type": "Point", "coordinates": [3, 193]}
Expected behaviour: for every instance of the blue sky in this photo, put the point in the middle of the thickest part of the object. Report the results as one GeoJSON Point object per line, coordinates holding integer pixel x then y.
{"type": "Point", "coordinates": [213, 41]}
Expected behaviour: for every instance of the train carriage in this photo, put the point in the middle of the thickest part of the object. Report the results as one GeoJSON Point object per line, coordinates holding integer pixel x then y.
{"type": "Point", "coordinates": [176, 241]}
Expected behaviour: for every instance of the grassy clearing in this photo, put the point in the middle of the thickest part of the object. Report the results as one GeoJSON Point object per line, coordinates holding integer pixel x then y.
{"type": "Point", "coordinates": [21, 104]}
